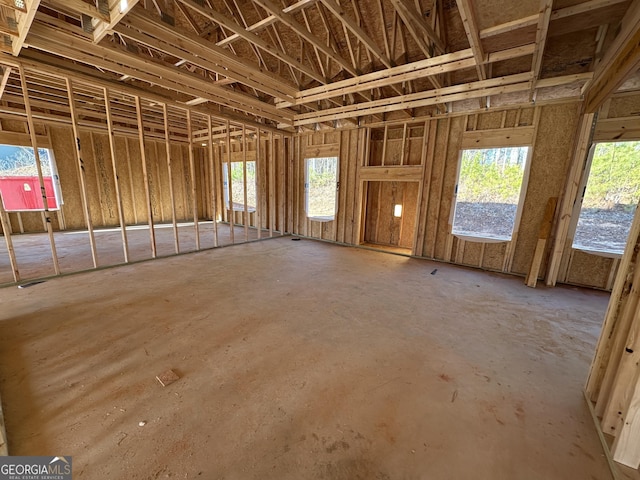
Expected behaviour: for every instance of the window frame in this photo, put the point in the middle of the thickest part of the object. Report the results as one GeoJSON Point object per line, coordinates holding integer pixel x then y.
{"type": "Point", "coordinates": [307, 190]}
{"type": "Point", "coordinates": [521, 197]}
{"type": "Point", "coordinates": [577, 206]}
{"type": "Point", "coordinates": [55, 179]}
{"type": "Point", "coordinates": [225, 186]}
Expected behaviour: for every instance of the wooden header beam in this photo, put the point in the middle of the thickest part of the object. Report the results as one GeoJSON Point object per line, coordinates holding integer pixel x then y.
{"type": "Point", "coordinates": [621, 60]}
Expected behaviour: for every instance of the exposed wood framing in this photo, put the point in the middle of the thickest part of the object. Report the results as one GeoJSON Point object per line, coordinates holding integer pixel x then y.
{"type": "Point", "coordinates": [167, 145]}
{"type": "Point", "coordinates": [102, 28]}
{"type": "Point", "coordinates": [116, 179]}
{"type": "Point", "coordinates": [145, 175]}
{"type": "Point", "coordinates": [360, 34]}
{"type": "Point", "coordinates": [473, 35]}
{"type": "Point", "coordinates": [622, 59]}
{"type": "Point", "coordinates": [46, 215]}
{"type": "Point", "coordinates": [6, 233]}
{"type": "Point", "coordinates": [192, 173]}
{"type": "Point", "coordinates": [24, 19]}
{"type": "Point", "coordinates": [82, 174]}
{"type": "Point", "coordinates": [562, 228]}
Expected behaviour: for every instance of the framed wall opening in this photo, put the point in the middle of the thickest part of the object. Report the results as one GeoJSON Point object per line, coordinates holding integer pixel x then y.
{"type": "Point", "coordinates": [19, 182]}
{"type": "Point", "coordinates": [489, 192]}
{"type": "Point", "coordinates": [390, 215]}
{"type": "Point", "coordinates": [610, 195]}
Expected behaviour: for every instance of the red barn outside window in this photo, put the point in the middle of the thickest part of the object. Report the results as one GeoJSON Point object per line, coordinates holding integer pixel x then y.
{"type": "Point", "coordinates": [19, 182]}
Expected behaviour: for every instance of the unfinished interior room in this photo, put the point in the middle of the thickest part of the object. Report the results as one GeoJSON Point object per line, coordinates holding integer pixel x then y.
{"type": "Point", "coordinates": [321, 239]}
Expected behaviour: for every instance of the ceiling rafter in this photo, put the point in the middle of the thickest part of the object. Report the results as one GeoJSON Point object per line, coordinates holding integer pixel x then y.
{"type": "Point", "coordinates": [269, 20]}
{"type": "Point", "coordinates": [541, 38]}
{"type": "Point", "coordinates": [471, 28]}
{"type": "Point", "coordinates": [288, 20]}
{"type": "Point", "coordinates": [334, 7]}
{"type": "Point", "coordinates": [101, 29]}
{"type": "Point", "coordinates": [168, 76]}
{"type": "Point", "coordinates": [416, 27]}
{"type": "Point", "coordinates": [252, 38]}
{"type": "Point", "coordinates": [424, 35]}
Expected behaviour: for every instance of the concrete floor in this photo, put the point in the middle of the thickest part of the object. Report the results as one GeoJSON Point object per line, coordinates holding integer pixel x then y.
{"type": "Point", "coordinates": [33, 251]}
{"type": "Point", "coordinates": [301, 360]}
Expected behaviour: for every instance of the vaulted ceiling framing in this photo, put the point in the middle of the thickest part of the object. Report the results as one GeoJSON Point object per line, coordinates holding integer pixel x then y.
{"type": "Point", "coordinates": [306, 63]}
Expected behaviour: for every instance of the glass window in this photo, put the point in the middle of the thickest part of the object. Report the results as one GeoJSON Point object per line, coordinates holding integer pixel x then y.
{"type": "Point", "coordinates": [610, 197]}
{"type": "Point", "coordinates": [488, 192]}
{"type": "Point", "coordinates": [237, 185]}
{"type": "Point", "coordinates": [19, 181]}
{"type": "Point", "coordinates": [321, 188]}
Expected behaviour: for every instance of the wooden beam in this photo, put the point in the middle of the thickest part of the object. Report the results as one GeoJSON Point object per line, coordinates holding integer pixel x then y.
{"type": "Point", "coordinates": [402, 73]}
{"type": "Point", "coordinates": [471, 28]}
{"type": "Point", "coordinates": [621, 59]}
{"type": "Point", "coordinates": [543, 237]}
{"type": "Point", "coordinates": [229, 208]}
{"type": "Point", "coordinates": [116, 13]}
{"type": "Point", "coordinates": [189, 18]}
{"type": "Point", "coordinates": [358, 31]}
{"type": "Point", "coordinates": [116, 176]}
{"type": "Point", "coordinates": [245, 210]}
{"type": "Point", "coordinates": [6, 233]}
{"type": "Point", "coordinates": [541, 39]}
{"type": "Point", "coordinates": [509, 26]}
{"type": "Point", "coordinates": [512, 83]}
{"type": "Point", "coordinates": [252, 38]}
{"type": "Point", "coordinates": [149, 70]}
{"type": "Point", "coordinates": [6, 73]}
{"type": "Point", "coordinates": [167, 146]}
{"type": "Point", "coordinates": [84, 198]}
{"type": "Point", "coordinates": [583, 7]}
{"type": "Point", "coordinates": [290, 21]}
{"type": "Point", "coordinates": [419, 28]}
{"type": "Point", "coordinates": [397, 173]}
{"type": "Point", "coordinates": [203, 53]}
{"type": "Point", "coordinates": [24, 21]}
{"type": "Point", "coordinates": [214, 184]}
{"type": "Point", "coordinates": [192, 174]}
{"type": "Point", "coordinates": [41, 63]}
{"type": "Point", "coordinates": [80, 7]}
{"type": "Point", "coordinates": [561, 13]}
{"type": "Point", "coordinates": [34, 144]}
{"type": "Point", "coordinates": [268, 21]}
{"type": "Point", "coordinates": [145, 177]}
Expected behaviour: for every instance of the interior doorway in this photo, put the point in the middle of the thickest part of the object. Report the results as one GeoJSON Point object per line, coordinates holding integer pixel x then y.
{"type": "Point", "coordinates": [390, 215]}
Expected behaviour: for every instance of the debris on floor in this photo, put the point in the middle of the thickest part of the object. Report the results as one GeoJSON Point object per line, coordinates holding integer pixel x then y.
{"type": "Point", "coordinates": [434, 271]}
{"type": "Point", "coordinates": [167, 378]}
{"type": "Point", "coordinates": [142, 423]}
{"type": "Point", "coordinates": [30, 284]}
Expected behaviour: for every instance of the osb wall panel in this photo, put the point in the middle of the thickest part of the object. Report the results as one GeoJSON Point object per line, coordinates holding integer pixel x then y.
{"type": "Point", "coordinates": [623, 106]}
{"type": "Point", "coordinates": [494, 255]}
{"type": "Point", "coordinates": [549, 165]}
{"type": "Point", "coordinates": [589, 270]}
{"type": "Point", "coordinates": [450, 159]}
{"type": "Point", "coordinates": [65, 154]}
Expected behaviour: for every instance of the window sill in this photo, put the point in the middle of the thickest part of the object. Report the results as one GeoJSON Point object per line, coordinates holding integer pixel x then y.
{"type": "Point", "coordinates": [322, 219]}
{"type": "Point", "coordinates": [473, 238]}
{"type": "Point", "coordinates": [599, 253]}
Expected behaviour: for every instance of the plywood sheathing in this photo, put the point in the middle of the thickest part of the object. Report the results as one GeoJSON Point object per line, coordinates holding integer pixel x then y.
{"type": "Point", "coordinates": [549, 164]}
